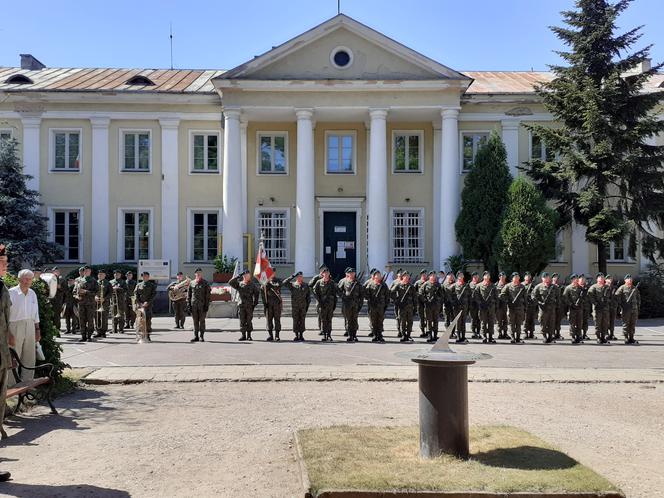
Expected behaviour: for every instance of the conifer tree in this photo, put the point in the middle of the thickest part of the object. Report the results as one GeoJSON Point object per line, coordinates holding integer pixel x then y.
{"type": "Point", "coordinates": [601, 171]}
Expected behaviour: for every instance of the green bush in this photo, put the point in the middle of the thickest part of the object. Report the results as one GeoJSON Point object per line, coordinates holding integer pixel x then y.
{"type": "Point", "coordinates": [224, 264]}
{"type": "Point", "coordinates": [651, 288]}
{"type": "Point", "coordinates": [52, 350]}
{"type": "Point", "coordinates": [109, 267]}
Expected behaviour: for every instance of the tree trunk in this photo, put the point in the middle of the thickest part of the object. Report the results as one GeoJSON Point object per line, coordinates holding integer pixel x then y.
{"type": "Point", "coordinates": [601, 257]}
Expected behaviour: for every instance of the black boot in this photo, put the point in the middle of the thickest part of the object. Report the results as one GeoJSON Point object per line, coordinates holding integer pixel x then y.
{"type": "Point", "coordinates": [195, 339]}
{"type": "Point", "coordinates": [202, 338]}
{"type": "Point", "coordinates": [270, 338]}
{"type": "Point", "coordinates": [243, 337]}
{"type": "Point", "coordinates": [276, 336]}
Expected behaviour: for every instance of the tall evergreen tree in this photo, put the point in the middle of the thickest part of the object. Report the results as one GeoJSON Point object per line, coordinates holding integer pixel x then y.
{"type": "Point", "coordinates": [528, 232]}
{"type": "Point", "coordinates": [22, 228]}
{"type": "Point", "coordinates": [605, 175]}
{"type": "Point", "coordinates": [483, 201]}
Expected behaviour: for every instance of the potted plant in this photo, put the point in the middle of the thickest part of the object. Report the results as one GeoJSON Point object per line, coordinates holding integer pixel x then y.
{"type": "Point", "coordinates": [223, 268]}
{"type": "Point", "coordinates": [219, 293]}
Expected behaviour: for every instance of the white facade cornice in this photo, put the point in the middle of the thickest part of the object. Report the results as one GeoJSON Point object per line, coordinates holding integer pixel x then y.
{"type": "Point", "coordinates": [106, 97]}
{"type": "Point", "coordinates": [337, 85]}
{"type": "Point", "coordinates": [124, 115]}
{"type": "Point", "coordinates": [494, 116]}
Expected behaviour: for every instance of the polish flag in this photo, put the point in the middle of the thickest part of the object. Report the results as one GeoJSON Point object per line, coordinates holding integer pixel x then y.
{"type": "Point", "coordinates": [263, 269]}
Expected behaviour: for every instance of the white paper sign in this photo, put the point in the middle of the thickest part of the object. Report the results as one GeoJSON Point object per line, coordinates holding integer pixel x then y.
{"type": "Point", "coordinates": [328, 250]}
{"type": "Point", "coordinates": [341, 254]}
{"type": "Point", "coordinates": [340, 229]}
{"type": "Point", "coordinates": [159, 269]}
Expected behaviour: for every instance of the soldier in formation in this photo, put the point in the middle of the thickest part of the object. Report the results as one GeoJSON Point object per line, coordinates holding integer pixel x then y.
{"type": "Point", "coordinates": [629, 303]}
{"type": "Point", "coordinates": [475, 324]}
{"type": "Point", "coordinates": [71, 320]}
{"type": "Point", "coordinates": [118, 302]}
{"type": "Point", "coordinates": [531, 307]}
{"type": "Point", "coordinates": [272, 304]}
{"type": "Point", "coordinates": [377, 295]}
{"type": "Point", "coordinates": [312, 283]}
{"type": "Point", "coordinates": [574, 296]}
{"type": "Point", "coordinates": [420, 303]}
{"type": "Point", "coordinates": [613, 307]}
{"type": "Point", "coordinates": [198, 303]}
{"type": "Point", "coordinates": [461, 298]}
{"type": "Point", "coordinates": [486, 297]}
{"type": "Point", "coordinates": [599, 298]}
{"type": "Point", "coordinates": [300, 301]}
{"type": "Point", "coordinates": [560, 309]}
{"type": "Point", "coordinates": [432, 294]}
{"type": "Point", "coordinates": [248, 293]}
{"type": "Point", "coordinates": [515, 298]}
{"type": "Point", "coordinates": [103, 300]}
{"type": "Point", "coordinates": [86, 289]}
{"type": "Point", "coordinates": [352, 297]}
{"type": "Point", "coordinates": [448, 299]}
{"type": "Point", "coordinates": [58, 300]}
{"type": "Point", "coordinates": [587, 306]}
{"type": "Point", "coordinates": [405, 300]}
{"type": "Point", "coordinates": [325, 291]}
{"type": "Point", "coordinates": [391, 286]}
{"type": "Point", "coordinates": [177, 293]}
{"type": "Point", "coordinates": [545, 296]}
{"type": "Point", "coordinates": [501, 307]}
{"type": "Point", "coordinates": [145, 293]}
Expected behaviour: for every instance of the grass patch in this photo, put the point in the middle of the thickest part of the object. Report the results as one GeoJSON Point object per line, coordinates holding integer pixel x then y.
{"type": "Point", "coordinates": [503, 459]}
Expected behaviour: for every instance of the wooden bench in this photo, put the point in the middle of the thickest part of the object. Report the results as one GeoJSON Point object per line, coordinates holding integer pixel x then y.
{"type": "Point", "coordinates": [30, 389]}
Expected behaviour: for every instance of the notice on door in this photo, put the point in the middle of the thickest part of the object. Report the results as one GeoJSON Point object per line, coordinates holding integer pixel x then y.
{"type": "Point", "coordinates": [340, 229]}
{"type": "Point", "coordinates": [341, 249]}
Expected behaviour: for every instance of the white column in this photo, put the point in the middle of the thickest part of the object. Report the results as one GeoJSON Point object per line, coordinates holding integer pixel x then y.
{"type": "Point", "coordinates": [367, 193]}
{"type": "Point", "coordinates": [450, 184]}
{"type": "Point", "coordinates": [243, 146]}
{"type": "Point", "coordinates": [232, 186]}
{"type": "Point", "coordinates": [435, 215]}
{"type": "Point", "coordinates": [31, 148]}
{"type": "Point", "coordinates": [101, 210]}
{"type": "Point", "coordinates": [511, 141]}
{"type": "Point", "coordinates": [580, 249]}
{"type": "Point", "coordinates": [170, 198]}
{"type": "Point", "coordinates": [305, 217]}
{"type": "Point", "coordinates": [377, 207]}
{"type": "Point", "coordinates": [650, 226]}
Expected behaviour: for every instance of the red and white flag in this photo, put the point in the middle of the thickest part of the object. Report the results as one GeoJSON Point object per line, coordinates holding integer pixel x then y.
{"type": "Point", "coordinates": [263, 269]}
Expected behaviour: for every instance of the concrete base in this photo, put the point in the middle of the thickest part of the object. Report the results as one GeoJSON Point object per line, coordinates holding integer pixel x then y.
{"type": "Point", "coordinates": [222, 309]}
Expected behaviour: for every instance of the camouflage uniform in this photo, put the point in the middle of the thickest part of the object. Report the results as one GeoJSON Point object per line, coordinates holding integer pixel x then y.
{"type": "Point", "coordinates": [486, 296]}
{"type": "Point", "coordinates": [273, 304]}
{"type": "Point", "coordinates": [462, 294]}
{"type": "Point", "coordinates": [101, 317]}
{"type": "Point", "coordinates": [587, 313]}
{"type": "Point", "coordinates": [475, 324]}
{"type": "Point", "coordinates": [514, 297]}
{"type": "Point", "coordinates": [378, 297]}
{"type": "Point", "coordinates": [546, 297]}
{"type": "Point", "coordinates": [613, 310]}
{"type": "Point", "coordinates": [598, 295]}
{"type": "Point", "coordinates": [85, 291]}
{"type": "Point", "coordinates": [432, 294]}
{"type": "Point", "coordinates": [421, 312]}
{"type": "Point", "coordinates": [145, 293]}
{"type": "Point", "coordinates": [350, 292]}
{"type": "Point", "coordinates": [405, 300]}
{"type": "Point", "coordinates": [312, 284]}
{"type": "Point", "coordinates": [531, 312]}
{"type": "Point", "coordinates": [396, 310]}
{"type": "Point", "coordinates": [448, 302]}
{"type": "Point", "coordinates": [300, 301]}
{"type": "Point", "coordinates": [575, 299]}
{"type": "Point", "coordinates": [198, 301]}
{"type": "Point", "coordinates": [326, 295]}
{"type": "Point", "coordinates": [131, 314]}
{"type": "Point", "coordinates": [57, 302]}
{"type": "Point", "coordinates": [118, 304]}
{"type": "Point", "coordinates": [179, 305]}
{"type": "Point", "coordinates": [248, 293]}
{"type": "Point", "coordinates": [501, 312]}
{"type": "Point", "coordinates": [71, 320]}
{"type": "Point", "coordinates": [629, 301]}
{"type": "Point", "coordinates": [560, 311]}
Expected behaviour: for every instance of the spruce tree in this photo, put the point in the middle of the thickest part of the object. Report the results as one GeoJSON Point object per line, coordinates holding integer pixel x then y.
{"type": "Point", "coordinates": [603, 174]}
{"type": "Point", "coordinates": [528, 232]}
{"type": "Point", "coordinates": [22, 228]}
{"type": "Point", "coordinates": [483, 201]}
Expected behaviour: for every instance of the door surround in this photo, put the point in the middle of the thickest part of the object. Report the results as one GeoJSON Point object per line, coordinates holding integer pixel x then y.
{"type": "Point", "coordinates": [344, 204]}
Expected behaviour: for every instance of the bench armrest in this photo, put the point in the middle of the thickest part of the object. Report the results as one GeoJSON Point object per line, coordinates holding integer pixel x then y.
{"type": "Point", "coordinates": [16, 359]}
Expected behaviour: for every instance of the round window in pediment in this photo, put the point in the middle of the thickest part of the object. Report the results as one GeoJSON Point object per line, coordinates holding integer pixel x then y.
{"type": "Point", "coordinates": [341, 57]}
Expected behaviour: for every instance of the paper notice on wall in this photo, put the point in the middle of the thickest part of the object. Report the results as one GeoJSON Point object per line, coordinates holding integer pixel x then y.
{"type": "Point", "coordinates": [350, 244]}
{"type": "Point", "coordinates": [328, 250]}
{"type": "Point", "coordinates": [340, 229]}
{"type": "Point", "coordinates": [341, 254]}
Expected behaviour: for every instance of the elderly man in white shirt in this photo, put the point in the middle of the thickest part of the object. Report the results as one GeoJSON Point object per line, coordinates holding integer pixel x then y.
{"type": "Point", "coordinates": [24, 330]}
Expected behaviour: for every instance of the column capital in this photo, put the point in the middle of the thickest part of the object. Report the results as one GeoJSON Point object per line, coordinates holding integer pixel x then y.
{"type": "Point", "coordinates": [437, 125]}
{"type": "Point", "coordinates": [304, 113]}
{"type": "Point", "coordinates": [31, 120]}
{"type": "Point", "coordinates": [244, 123]}
{"type": "Point", "coordinates": [511, 123]}
{"type": "Point", "coordinates": [232, 113]}
{"type": "Point", "coordinates": [450, 112]}
{"type": "Point", "coordinates": [98, 122]}
{"type": "Point", "coordinates": [378, 113]}
{"type": "Point", "coordinates": [169, 123]}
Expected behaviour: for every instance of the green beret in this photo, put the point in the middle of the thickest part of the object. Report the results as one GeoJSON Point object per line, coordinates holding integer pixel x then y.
{"type": "Point", "coordinates": [515, 274]}
{"type": "Point", "coordinates": [432, 272]}
{"type": "Point", "coordinates": [554, 275]}
{"type": "Point", "coordinates": [527, 274]}
{"type": "Point", "coordinates": [101, 270]}
{"type": "Point", "coordinates": [573, 276]}
{"type": "Point", "coordinates": [600, 274]}
{"type": "Point", "coordinates": [502, 274]}
{"type": "Point", "coordinates": [460, 274]}
{"type": "Point", "coordinates": [423, 271]}
{"type": "Point", "coordinates": [628, 276]}
{"type": "Point", "coordinates": [405, 273]}
{"type": "Point", "coordinates": [609, 276]}
{"type": "Point", "coordinates": [298, 274]}
{"type": "Point", "coordinates": [399, 271]}
{"type": "Point", "coordinates": [486, 273]}
{"type": "Point", "coordinates": [350, 269]}
{"type": "Point", "coordinates": [81, 269]}
{"type": "Point", "coordinates": [322, 267]}
{"type": "Point", "coordinates": [474, 274]}
{"type": "Point", "coordinates": [376, 271]}
{"type": "Point", "coordinates": [544, 274]}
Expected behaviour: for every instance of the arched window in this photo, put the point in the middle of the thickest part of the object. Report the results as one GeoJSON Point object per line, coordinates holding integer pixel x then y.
{"type": "Point", "coordinates": [18, 79]}
{"type": "Point", "coordinates": [140, 81]}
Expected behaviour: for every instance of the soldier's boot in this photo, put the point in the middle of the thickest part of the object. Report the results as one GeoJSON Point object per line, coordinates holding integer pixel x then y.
{"type": "Point", "coordinates": [270, 337]}
{"type": "Point", "coordinates": [249, 338]}
{"type": "Point", "coordinates": [202, 336]}
{"type": "Point", "coordinates": [84, 338]}
{"type": "Point", "coordinates": [276, 335]}
{"type": "Point", "coordinates": [243, 337]}
{"type": "Point", "coordinates": [196, 339]}
{"type": "Point", "coordinates": [404, 336]}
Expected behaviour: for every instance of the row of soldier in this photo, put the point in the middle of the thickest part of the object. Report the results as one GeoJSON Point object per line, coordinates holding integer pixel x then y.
{"type": "Point", "coordinates": [511, 307]}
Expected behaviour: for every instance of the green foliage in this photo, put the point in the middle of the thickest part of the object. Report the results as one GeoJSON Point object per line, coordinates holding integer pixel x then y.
{"type": "Point", "coordinates": [600, 171]}
{"type": "Point", "coordinates": [483, 202]}
{"type": "Point", "coordinates": [528, 233]}
{"type": "Point", "coordinates": [110, 267]}
{"type": "Point", "coordinates": [22, 228]}
{"type": "Point", "coordinates": [651, 288]}
{"type": "Point", "coordinates": [224, 264]}
{"type": "Point", "coordinates": [52, 350]}
{"type": "Point", "coordinates": [457, 263]}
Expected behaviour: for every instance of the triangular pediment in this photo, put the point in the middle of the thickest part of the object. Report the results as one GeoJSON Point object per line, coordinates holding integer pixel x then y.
{"type": "Point", "coordinates": [373, 56]}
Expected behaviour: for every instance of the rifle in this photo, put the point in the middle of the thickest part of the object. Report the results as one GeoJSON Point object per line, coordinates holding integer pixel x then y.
{"type": "Point", "coordinates": [632, 293]}
{"type": "Point", "coordinates": [405, 294]}
{"type": "Point", "coordinates": [517, 295]}
{"type": "Point", "coordinates": [584, 291]}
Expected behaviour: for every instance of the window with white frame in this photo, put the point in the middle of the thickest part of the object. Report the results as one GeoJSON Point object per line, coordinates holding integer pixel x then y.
{"type": "Point", "coordinates": [136, 151]}
{"type": "Point", "coordinates": [205, 233]}
{"type": "Point", "coordinates": [5, 135]}
{"type": "Point", "coordinates": [66, 147]}
{"type": "Point", "coordinates": [135, 235]}
{"type": "Point", "coordinates": [204, 152]}
{"type": "Point", "coordinates": [272, 153]}
{"type": "Point", "coordinates": [471, 141]}
{"type": "Point", "coordinates": [407, 236]}
{"type": "Point", "coordinates": [274, 226]}
{"type": "Point", "coordinates": [340, 153]}
{"type": "Point", "coordinates": [407, 152]}
{"type": "Point", "coordinates": [621, 251]}
{"type": "Point", "coordinates": [538, 149]}
{"type": "Point", "coordinates": [67, 233]}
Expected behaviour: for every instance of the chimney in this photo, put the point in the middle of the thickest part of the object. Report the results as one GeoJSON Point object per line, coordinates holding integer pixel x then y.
{"type": "Point", "coordinates": [640, 68]}
{"type": "Point", "coordinates": [29, 61]}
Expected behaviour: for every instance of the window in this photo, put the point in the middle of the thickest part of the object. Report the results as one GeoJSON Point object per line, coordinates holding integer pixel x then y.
{"type": "Point", "coordinates": [140, 81]}
{"type": "Point", "coordinates": [136, 151]}
{"type": "Point", "coordinates": [623, 250]}
{"type": "Point", "coordinates": [341, 57]}
{"type": "Point", "coordinates": [67, 233]}
{"type": "Point", "coordinates": [471, 142]}
{"type": "Point", "coordinates": [407, 236]}
{"type": "Point", "coordinates": [18, 79]}
{"type": "Point", "coordinates": [272, 153]}
{"type": "Point", "coordinates": [205, 152]}
{"type": "Point", "coordinates": [66, 150]}
{"type": "Point", "coordinates": [205, 225]}
{"type": "Point", "coordinates": [407, 152]}
{"type": "Point", "coordinates": [5, 135]}
{"type": "Point", "coordinates": [538, 149]}
{"type": "Point", "coordinates": [340, 153]}
{"type": "Point", "coordinates": [274, 225]}
{"type": "Point", "coordinates": [560, 247]}
{"type": "Point", "coordinates": [135, 235]}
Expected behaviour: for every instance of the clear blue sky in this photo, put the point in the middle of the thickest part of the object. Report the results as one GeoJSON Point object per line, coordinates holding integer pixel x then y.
{"type": "Point", "coordinates": [463, 34]}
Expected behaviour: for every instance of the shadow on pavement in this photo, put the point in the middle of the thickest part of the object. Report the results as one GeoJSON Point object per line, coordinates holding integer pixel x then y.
{"type": "Point", "coordinates": [65, 491]}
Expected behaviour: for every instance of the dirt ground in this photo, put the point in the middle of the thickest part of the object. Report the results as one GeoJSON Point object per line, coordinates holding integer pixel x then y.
{"type": "Point", "coordinates": [235, 439]}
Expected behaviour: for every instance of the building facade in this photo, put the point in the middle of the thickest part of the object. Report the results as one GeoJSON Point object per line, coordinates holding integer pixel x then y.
{"type": "Point", "coordinates": [340, 146]}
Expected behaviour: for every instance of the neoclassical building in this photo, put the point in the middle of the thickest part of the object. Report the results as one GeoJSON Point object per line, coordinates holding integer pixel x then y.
{"type": "Point", "coordinates": [342, 146]}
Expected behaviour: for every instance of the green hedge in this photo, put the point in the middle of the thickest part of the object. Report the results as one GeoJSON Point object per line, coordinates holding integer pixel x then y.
{"type": "Point", "coordinates": [52, 350]}
{"type": "Point", "coordinates": [123, 267]}
{"type": "Point", "coordinates": [651, 288]}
